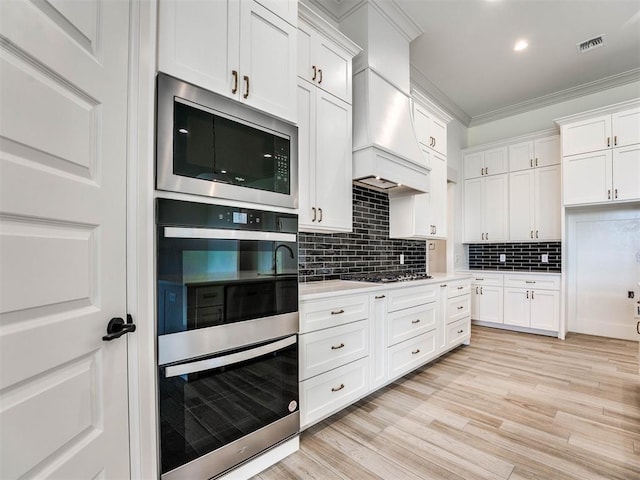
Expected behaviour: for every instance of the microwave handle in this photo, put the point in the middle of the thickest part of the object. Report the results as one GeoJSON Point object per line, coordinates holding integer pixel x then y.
{"type": "Point", "coordinates": [203, 365]}
{"type": "Point", "coordinates": [224, 234]}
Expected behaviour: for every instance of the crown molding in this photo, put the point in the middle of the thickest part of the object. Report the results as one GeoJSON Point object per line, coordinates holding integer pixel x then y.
{"type": "Point", "coordinates": [617, 107]}
{"type": "Point", "coordinates": [558, 97]}
{"type": "Point", "coordinates": [421, 84]}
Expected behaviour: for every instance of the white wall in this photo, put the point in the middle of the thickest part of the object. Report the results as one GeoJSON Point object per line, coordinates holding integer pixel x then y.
{"type": "Point", "coordinates": [542, 118]}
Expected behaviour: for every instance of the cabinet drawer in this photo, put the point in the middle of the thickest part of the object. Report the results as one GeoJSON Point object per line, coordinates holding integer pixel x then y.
{"type": "Point", "coordinates": [458, 332]}
{"type": "Point", "coordinates": [458, 307]}
{"type": "Point", "coordinates": [412, 353]}
{"type": "Point", "coordinates": [407, 297]}
{"type": "Point", "coordinates": [489, 279]}
{"type": "Point", "coordinates": [540, 282]}
{"type": "Point", "coordinates": [455, 289]}
{"type": "Point", "coordinates": [405, 324]}
{"type": "Point", "coordinates": [333, 390]}
{"type": "Point", "coordinates": [319, 314]}
{"type": "Point", "coordinates": [326, 349]}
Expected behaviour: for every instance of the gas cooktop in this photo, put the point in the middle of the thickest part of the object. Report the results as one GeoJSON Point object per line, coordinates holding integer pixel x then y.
{"type": "Point", "coordinates": [386, 277]}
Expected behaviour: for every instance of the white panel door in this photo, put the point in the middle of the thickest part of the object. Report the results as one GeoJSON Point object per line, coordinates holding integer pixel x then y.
{"type": "Point", "coordinates": [496, 208]}
{"type": "Point", "coordinates": [546, 151]}
{"type": "Point", "coordinates": [63, 130]}
{"type": "Point", "coordinates": [438, 130]}
{"type": "Point", "coordinates": [421, 123]}
{"type": "Point", "coordinates": [334, 68]}
{"type": "Point", "coordinates": [491, 304]}
{"type": "Point", "coordinates": [437, 206]}
{"type": "Point", "coordinates": [521, 156]}
{"type": "Point", "coordinates": [473, 222]}
{"type": "Point", "coordinates": [496, 161]}
{"type": "Point", "coordinates": [586, 136]}
{"type": "Point", "coordinates": [306, 153]}
{"type": "Point", "coordinates": [626, 173]}
{"type": "Point", "coordinates": [521, 205]}
{"type": "Point", "coordinates": [587, 178]}
{"type": "Point", "coordinates": [548, 205]}
{"type": "Point", "coordinates": [516, 307]}
{"type": "Point", "coordinates": [626, 127]}
{"type": "Point", "coordinates": [545, 309]}
{"type": "Point", "coordinates": [473, 165]}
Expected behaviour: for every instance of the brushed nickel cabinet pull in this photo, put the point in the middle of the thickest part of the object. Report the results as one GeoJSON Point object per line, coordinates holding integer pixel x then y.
{"type": "Point", "coordinates": [460, 331]}
{"type": "Point", "coordinates": [416, 351]}
{"type": "Point", "coordinates": [378, 297]}
{"type": "Point", "coordinates": [337, 347]}
{"type": "Point", "coordinates": [460, 307]}
{"type": "Point", "coordinates": [532, 163]}
{"type": "Point", "coordinates": [536, 233]}
{"type": "Point", "coordinates": [320, 72]}
{"type": "Point", "coordinates": [608, 141]}
{"type": "Point", "coordinates": [314, 214]}
{"type": "Point", "coordinates": [615, 140]}
{"type": "Point", "coordinates": [531, 294]}
{"type": "Point", "coordinates": [609, 194]}
{"type": "Point", "coordinates": [615, 193]}
{"type": "Point", "coordinates": [415, 321]}
{"type": "Point", "coordinates": [482, 235]}
{"type": "Point", "coordinates": [476, 290]}
{"type": "Point", "coordinates": [443, 285]}
{"type": "Point", "coordinates": [337, 389]}
{"type": "Point", "coordinates": [246, 84]}
{"type": "Point", "coordinates": [315, 72]}
{"type": "Point", "coordinates": [486, 236]}
{"type": "Point", "coordinates": [531, 233]}
{"type": "Point", "coordinates": [337, 312]}
{"type": "Point", "coordinates": [536, 161]}
{"type": "Point", "coordinates": [486, 170]}
{"type": "Point", "coordinates": [527, 294]}
{"type": "Point", "coordinates": [460, 287]}
{"type": "Point", "coordinates": [481, 291]}
{"type": "Point", "coordinates": [320, 212]}
{"type": "Point", "coordinates": [234, 90]}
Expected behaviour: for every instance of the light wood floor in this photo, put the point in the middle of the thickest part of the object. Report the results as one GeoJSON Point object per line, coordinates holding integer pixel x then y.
{"type": "Point", "coordinates": [509, 406]}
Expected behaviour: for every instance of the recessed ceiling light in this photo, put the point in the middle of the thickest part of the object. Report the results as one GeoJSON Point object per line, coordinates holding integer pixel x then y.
{"type": "Point", "coordinates": [520, 45]}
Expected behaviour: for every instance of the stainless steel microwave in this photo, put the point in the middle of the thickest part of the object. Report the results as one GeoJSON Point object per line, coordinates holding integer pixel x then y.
{"type": "Point", "coordinates": [210, 145]}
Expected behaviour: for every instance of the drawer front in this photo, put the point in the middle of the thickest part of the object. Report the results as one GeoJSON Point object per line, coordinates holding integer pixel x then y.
{"type": "Point", "coordinates": [458, 307]}
{"type": "Point", "coordinates": [458, 332]}
{"type": "Point", "coordinates": [456, 289]}
{"type": "Point", "coordinates": [407, 297]}
{"type": "Point", "coordinates": [324, 350]}
{"type": "Point", "coordinates": [540, 282]}
{"type": "Point", "coordinates": [325, 313]}
{"type": "Point", "coordinates": [408, 323]}
{"type": "Point", "coordinates": [208, 296]}
{"type": "Point", "coordinates": [412, 353]}
{"type": "Point", "coordinates": [333, 390]}
{"type": "Point", "coordinates": [487, 279]}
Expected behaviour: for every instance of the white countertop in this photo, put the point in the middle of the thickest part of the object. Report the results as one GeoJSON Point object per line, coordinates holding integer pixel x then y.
{"type": "Point", "coordinates": [329, 288]}
{"type": "Point", "coordinates": [507, 272]}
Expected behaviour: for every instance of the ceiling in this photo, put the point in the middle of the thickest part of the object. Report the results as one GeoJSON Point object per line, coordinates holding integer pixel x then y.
{"type": "Point", "coordinates": [465, 60]}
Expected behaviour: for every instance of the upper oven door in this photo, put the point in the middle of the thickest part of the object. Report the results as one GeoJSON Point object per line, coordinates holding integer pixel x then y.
{"type": "Point", "coordinates": [219, 266]}
{"type": "Point", "coordinates": [211, 145]}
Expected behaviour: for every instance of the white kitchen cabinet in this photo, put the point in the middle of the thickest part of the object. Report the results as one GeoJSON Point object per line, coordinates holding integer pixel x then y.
{"type": "Point", "coordinates": [487, 298]}
{"type": "Point", "coordinates": [534, 204]}
{"type": "Point", "coordinates": [493, 161]}
{"type": "Point", "coordinates": [378, 340]}
{"type": "Point", "coordinates": [237, 48]}
{"type": "Point", "coordinates": [541, 152]}
{"type": "Point", "coordinates": [532, 301]}
{"type": "Point", "coordinates": [325, 171]}
{"type": "Point", "coordinates": [606, 176]}
{"type": "Point", "coordinates": [601, 132]}
{"type": "Point", "coordinates": [321, 60]}
{"type": "Point", "coordinates": [486, 212]}
{"type": "Point", "coordinates": [431, 130]}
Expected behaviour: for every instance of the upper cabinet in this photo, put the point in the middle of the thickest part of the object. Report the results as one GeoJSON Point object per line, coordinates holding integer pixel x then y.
{"type": "Point", "coordinates": [493, 161]}
{"type": "Point", "coordinates": [324, 126]}
{"type": "Point", "coordinates": [601, 156]}
{"type": "Point", "coordinates": [431, 130]}
{"type": "Point", "coordinates": [238, 48]}
{"type": "Point", "coordinates": [541, 152]}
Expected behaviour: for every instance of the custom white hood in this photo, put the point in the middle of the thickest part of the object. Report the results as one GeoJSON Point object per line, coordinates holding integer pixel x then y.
{"type": "Point", "coordinates": [386, 154]}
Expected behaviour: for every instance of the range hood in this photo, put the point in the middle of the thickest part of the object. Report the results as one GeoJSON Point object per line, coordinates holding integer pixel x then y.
{"type": "Point", "coordinates": [386, 154]}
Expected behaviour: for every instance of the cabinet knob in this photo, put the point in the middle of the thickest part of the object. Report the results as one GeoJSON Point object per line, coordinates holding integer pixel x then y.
{"type": "Point", "coordinates": [460, 307]}
{"type": "Point", "coordinates": [460, 331]}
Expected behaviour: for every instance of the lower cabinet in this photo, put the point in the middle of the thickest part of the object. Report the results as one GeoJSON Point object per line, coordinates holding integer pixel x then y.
{"type": "Point", "coordinates": [351, 345]}
{"type": "Point", "coordinates": [487, 298]}
{"type": "Point", "coordinates": [532, 302]}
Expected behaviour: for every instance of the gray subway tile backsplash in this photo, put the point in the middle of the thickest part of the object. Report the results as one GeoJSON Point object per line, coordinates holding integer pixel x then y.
{"type": "Point", "coordinates": [518, 256]}
{"type": "Point", "coordinates": [368, 249]}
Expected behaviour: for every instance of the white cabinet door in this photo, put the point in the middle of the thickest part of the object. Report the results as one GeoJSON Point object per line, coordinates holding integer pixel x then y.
{"type": "Point", "coordinates": [587, 178]}
{"type": "Point", "coordinates": [473, 165]}
{"type": "Point", "coordinates": [421, 121]}
{"type": "Point", "coordinates": [545, 309]}
{"type": "Point", "coordinates": [199, 42]}
{"type": "Point", "coordinates": [586, 136]}
{"type": "Point", "coordinates": [378, 340]}
{"type": "Point", "coordinates": [334, 69]}
{"type": "Point", "coordinates": [490, 304]}
{"type": "Point", "coordinates": [333, 163]}
{"type": "Point", "coordinates": [473, 210]}
{"type": "Point", "coordinates": [63, 240]}
{"type": "Point", "coordinates": [546, 151]}
{"type": "Point", "coordinates": [285, 9]}
{"type": "Point", "coordinates": [267, 61]}
{"type": "Point", "coordinates": [522, 205]}
{"type": "Point", "coordinates": [626, 173]}
{"type": "Point", "coordinates": [516, 307]}
{"type": "Point", "coordinates": [306, 154]}
{"type": "Point", "coordinates": [496, 161]}
{"type": "Point", "coordinates": [438, 131]}
{"type": "Point", "coordinates": [437, 204]}
{"type": "Point", "coordinates": [521, 156]}
{"type": "Point", "coordinates": [626, 127]}
{"type": "Point", "coordinates": [548, 205]}
{"type": "Point", "coordinates": [495, 208]}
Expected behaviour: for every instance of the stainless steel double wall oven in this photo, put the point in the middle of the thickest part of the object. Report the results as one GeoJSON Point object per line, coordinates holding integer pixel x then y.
{"type": "Point", "coordinates": [227, 283]}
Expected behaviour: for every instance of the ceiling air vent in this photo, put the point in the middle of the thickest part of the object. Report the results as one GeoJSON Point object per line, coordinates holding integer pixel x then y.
{"type": "Point", "coordinates": [590, 44]}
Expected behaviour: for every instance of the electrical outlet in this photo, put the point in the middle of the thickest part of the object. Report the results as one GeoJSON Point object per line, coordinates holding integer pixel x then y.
{"type": "Point", "coordinates": [544, 258]}
{"type": "Point", "coordinates": [503, 258]}
{"type": "Point", "coordinates": [402, 259]}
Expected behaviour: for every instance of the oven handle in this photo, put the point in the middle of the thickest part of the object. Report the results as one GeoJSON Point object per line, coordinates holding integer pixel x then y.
{"type": "Point", "coordinates": [224, 234]}
{"type": "Point", "coordinates": [202, 365]}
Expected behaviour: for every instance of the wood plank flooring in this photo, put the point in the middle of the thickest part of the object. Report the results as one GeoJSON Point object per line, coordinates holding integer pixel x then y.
{"type": "Point", "coordinates": [509, 406]}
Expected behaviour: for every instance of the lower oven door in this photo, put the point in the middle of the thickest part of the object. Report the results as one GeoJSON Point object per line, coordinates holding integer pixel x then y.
{"type": "Point", "coordinates": [218, 411]}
